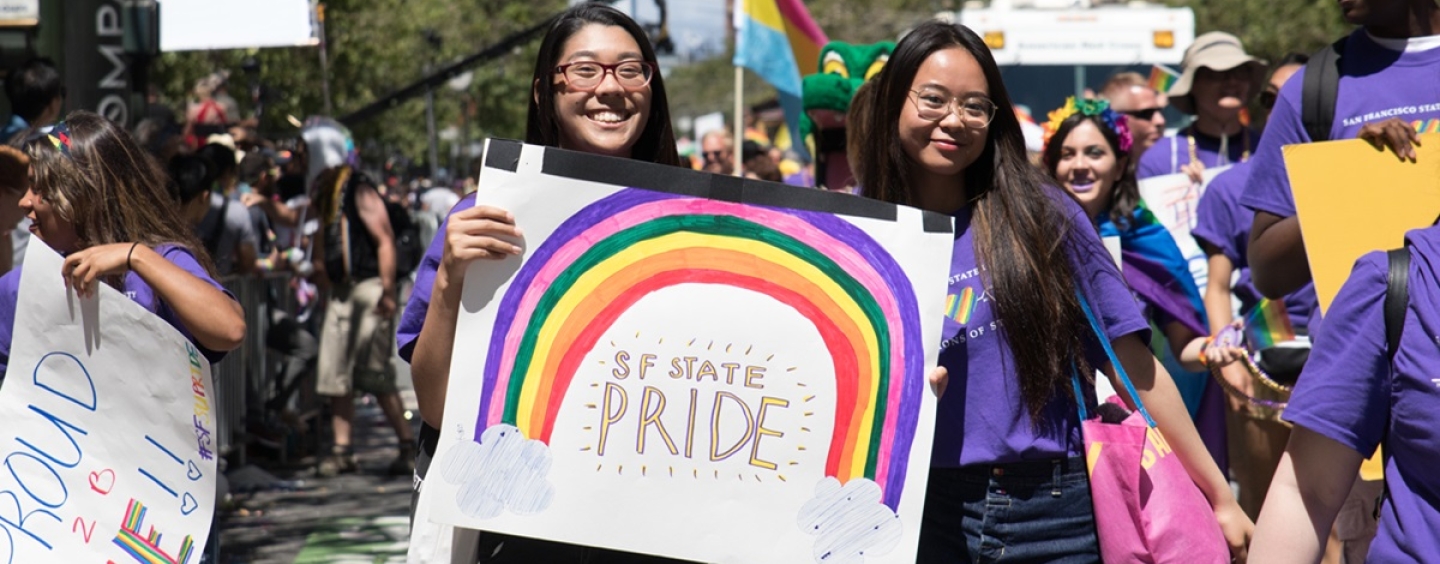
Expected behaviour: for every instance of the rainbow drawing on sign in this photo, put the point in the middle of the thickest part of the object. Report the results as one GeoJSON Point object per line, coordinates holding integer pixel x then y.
{"type": "Point", "coordinates": [961, 307]}
{"type": "Point", "coordinates": [146, 549]}
{"type": "Point", "coordinates": [610, 255]}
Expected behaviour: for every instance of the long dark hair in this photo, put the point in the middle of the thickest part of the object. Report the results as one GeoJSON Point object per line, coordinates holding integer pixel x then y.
{"type": "Point", "coordinates": [1125, 196]}
{"type": "Point", "coordinates": [109, 188]}
{"type": "Point", "coordinates": [657, 141]}
{"type": "Point", "coordinates": [1021, 229]}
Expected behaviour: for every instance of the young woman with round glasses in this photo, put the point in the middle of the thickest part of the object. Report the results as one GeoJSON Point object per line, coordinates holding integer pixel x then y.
{"type": "Point", "coordinates": [1007, 473]}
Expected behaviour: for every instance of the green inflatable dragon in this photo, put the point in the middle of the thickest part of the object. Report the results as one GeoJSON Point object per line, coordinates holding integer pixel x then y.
{"type": "Point", "coordinates": [826, 99]}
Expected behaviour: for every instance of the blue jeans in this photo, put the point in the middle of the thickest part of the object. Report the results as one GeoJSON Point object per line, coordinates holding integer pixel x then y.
{"type": "Point", "coordinates": [1009, 513]}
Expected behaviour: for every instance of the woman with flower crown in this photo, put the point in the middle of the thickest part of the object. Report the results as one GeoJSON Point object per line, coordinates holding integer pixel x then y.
{"type": "Point", "coordinates": [1008, 480]}
{"type": "Point", "coordinates": [1087, 151]}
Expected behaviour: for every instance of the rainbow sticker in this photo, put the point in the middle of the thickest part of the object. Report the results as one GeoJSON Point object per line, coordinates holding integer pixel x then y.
{"type": "Point", "coordinates": [1431, 125]}
{"type": "Point", "coordinates": [616, 251]}
{"type": "Point", "coordinates": [961, 307]}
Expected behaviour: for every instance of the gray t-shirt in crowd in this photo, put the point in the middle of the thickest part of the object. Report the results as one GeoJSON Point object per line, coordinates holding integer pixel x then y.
{"type": "Point", "coordinates": [223, 239]}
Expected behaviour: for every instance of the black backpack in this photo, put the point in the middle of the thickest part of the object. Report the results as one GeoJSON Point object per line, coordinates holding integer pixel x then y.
{"type": "Point", "coordinates": [1322, 83]}
{"type": "Point", "coordinates": [409, 249]}
{"type": "Point", "coordinates": [1397, 300]}
{"type": "Point", "coordinates": [1397, 297]}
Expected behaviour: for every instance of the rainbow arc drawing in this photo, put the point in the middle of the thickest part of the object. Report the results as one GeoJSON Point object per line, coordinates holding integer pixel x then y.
{"type": "Point", "coordinates": [621, 248]}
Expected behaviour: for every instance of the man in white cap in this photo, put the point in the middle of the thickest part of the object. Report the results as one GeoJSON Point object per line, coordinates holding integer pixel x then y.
{"type": "Point", "coordinates": [1217, 82]}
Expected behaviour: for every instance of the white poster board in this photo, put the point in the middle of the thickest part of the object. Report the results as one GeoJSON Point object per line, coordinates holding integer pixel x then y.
{"type": "Point", "coordinates": [708, 368]}
{"type": "Point", "coordinates": [107, 437]}
{"type": "Point", "coordinates": [195, 25]}
{"type": "Point", "coordinates": [1175, 201]}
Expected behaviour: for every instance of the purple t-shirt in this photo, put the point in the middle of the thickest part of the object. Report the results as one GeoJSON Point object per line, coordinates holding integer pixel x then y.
{"type": "Point", "coordinates": [982, 419]}
{"type": "Point", "coordinates": [135, 288]}
{"type": "Point", "coordinates": [1349, 393]}
{"type": "Point", "coordinates": [1169, 154]}
{"type": "Point", "coordinates": [1224, 223]}
{"type": "Point", "coordinates": [1376, 84]}
{"type": "Point", "coordinates": [414, 316]}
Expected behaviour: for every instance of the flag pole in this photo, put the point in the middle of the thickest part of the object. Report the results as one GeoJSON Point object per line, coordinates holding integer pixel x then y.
{"type": "Point", "coordinates": [739, 139]}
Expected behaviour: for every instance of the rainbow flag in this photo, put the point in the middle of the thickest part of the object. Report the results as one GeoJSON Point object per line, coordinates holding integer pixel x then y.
{"type": "Point", "coordinates": [1162, 78]}
{"type": "Point", "coordinates": [778, 41]}
{"type": "Point", "coordinates": [1268, 324]}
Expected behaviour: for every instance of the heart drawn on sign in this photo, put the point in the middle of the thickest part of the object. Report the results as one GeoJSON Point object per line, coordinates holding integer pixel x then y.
{"type": "Point", "coordinates": [194, 473]}
{"type": "Point", "coordinates": [188, 504]}
{"type": "Point", "coordinates": [102, 481]}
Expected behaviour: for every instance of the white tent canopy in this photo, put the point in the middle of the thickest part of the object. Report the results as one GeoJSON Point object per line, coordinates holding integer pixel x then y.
{"type": "Point", "coordinates": [193, 25]}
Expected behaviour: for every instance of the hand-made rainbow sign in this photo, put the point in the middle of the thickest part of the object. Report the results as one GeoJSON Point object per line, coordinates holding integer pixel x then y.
{"type": "Point", "coordinates": [613, 253]}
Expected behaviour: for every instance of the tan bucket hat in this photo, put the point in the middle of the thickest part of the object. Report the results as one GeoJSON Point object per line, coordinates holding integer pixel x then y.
{"type": "Point", "coordinates": [1217, 51]}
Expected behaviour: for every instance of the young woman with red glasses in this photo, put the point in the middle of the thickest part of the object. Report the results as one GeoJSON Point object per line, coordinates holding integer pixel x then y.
{"type": "Point", "coordinates": [597, 89]}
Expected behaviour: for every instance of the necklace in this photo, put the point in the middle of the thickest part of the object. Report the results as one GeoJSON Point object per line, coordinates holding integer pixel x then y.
{"type": "Point", "coordinates": [1224, 152]}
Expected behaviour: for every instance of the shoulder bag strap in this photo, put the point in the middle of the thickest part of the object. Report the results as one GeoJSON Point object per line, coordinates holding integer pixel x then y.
{"type": "Point", "coordinates": [212, 238]}
{"type": "Point", "coordinates": [1114, 361]}
{"type": "Point", "coordinates": [1397, 298]}
{"type": "Point", "coordinates": [1317, 97]}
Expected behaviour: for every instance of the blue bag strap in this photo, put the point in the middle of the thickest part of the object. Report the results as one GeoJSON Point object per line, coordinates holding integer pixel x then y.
{"type": "Point", "coordinates": [1114, 361]}
{"type": "Point", "coordinates": [1079, 394]}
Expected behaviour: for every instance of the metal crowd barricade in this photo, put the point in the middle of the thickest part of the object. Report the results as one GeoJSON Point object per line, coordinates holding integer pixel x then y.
{"type": "Point", "coordinates": [244, 380]}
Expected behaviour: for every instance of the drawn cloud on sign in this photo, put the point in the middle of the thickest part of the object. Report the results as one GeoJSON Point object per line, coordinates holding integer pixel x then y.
{"type": "Point", "coordinates": [502, 471]}
{"type": "Point", "coordinates": [849, 522]}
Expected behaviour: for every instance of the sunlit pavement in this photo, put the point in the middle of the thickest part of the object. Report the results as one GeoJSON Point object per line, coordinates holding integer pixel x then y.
{"type": "Point", "coordinates": [360, 518]}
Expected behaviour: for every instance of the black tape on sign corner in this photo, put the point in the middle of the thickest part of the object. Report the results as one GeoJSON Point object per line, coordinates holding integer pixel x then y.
{"type": "Point", "coordinates": [503, 154]}
{"type": "Point", "coordinates": [938, 223]}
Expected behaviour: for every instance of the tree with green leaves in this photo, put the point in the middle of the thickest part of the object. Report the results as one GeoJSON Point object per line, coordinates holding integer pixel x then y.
{"type": "Point", "coordinates": [1271, 28]}
{"type": "Point", "coordinates": [374, 48]}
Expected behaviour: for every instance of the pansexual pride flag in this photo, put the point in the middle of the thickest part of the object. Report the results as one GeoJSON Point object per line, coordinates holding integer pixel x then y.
{"type": "Point", "coordinates": [778, 41]}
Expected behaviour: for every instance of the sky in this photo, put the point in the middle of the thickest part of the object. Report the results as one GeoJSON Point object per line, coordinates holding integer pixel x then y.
{"type": "Point", "coordinates": [696, 26]}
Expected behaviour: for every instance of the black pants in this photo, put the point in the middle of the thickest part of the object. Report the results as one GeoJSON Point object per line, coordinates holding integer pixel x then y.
{"type": "Point", "coordinates": [298, 349]}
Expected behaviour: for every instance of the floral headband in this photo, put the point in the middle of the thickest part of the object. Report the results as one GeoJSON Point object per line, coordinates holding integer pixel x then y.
{"type": "Point", "coordinates": [1091, 108]}
{"type": "Point", "coordinates": [60, 137]}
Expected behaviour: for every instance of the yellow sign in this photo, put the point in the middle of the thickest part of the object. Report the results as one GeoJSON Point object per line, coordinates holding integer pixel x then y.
{"type": "Point", "coordinates": [995, 39]}
{"type": "Point", "coordinates": [1164, 39]}
{"type": "Point", "coordinates": [1353, 199]}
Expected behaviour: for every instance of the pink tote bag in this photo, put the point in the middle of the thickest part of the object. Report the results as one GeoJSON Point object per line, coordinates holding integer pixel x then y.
{"type": "Point", "coordinates": [1147, 509]}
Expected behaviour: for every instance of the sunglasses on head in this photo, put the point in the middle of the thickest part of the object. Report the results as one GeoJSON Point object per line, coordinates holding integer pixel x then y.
{"type": "Point", "coordinates": [1268, 99]}
{"type": "Point", "coordinates": [1147, 114]}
